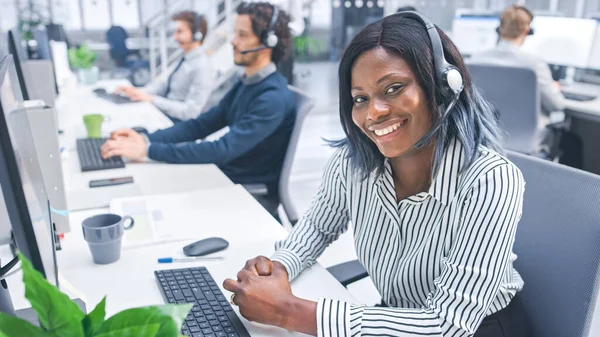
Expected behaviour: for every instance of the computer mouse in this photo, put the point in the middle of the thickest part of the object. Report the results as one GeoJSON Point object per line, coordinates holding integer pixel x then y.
{"type": "Point", "coordinates": [205, 246]}
{"type": "Point", "coordinates": [140, 129]}
{"type": "Point", "coordinates": [100, 91]}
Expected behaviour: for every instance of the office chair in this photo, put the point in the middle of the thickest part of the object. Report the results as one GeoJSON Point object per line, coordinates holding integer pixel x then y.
{"type": "Point", "coordinates": [557, 244]}
{"type": "Point", "coordinates": [304, 104]}
{"type": "Point", "coordinates": [57, 32]}
{"type": "Point", "coordinates": [123, 57]}
{"type": "Point", "coordinates": [43, 44]}
{"type": "Point", "coordinates": [515, 94]}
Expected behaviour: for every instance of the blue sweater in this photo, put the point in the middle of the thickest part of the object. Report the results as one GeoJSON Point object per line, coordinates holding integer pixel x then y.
{"type": "Point", "coordinates": [260, 117]}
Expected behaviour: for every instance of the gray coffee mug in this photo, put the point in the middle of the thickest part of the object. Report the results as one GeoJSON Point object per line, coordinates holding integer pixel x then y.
{"type": "Point", "coordinates": [103, 234]}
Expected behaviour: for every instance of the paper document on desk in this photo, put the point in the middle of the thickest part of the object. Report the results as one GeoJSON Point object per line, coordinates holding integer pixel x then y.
{"type": "Point", "coordinates": [185, 216]}
{"type": "Point", "coordinates": [150, 225]}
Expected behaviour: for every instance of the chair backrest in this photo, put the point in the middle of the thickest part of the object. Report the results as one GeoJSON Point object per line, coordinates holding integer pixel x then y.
{"type": "Point", "coordinates": [558, 246]}
{"type": "Point", "coordinates": [57, 32]}
{"type": "Point", "coordinates": [514, 93]}
{"type": "Point", "coordinates": [304, 105]}
{"type": "Point", "coordinates": [43, 44]}
{"type": "Point", "coordinates": [116, 37]}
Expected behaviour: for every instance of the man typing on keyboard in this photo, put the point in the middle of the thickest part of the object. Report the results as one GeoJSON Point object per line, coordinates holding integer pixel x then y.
{"type": "Point", "coordinates": [259, 110]}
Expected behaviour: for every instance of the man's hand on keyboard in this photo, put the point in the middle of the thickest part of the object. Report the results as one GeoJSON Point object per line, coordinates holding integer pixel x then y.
{"type": "Point", "coordinates": [123, 133]}
{"type": "Point", "coordinates": [125, 143]}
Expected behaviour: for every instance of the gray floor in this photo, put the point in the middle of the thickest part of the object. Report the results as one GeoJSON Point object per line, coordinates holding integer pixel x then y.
{"type": "Point", "coordinates": [319, 80]}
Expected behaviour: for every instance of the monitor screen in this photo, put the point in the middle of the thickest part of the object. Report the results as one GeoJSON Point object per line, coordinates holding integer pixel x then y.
{"type": "Point", "coordinates": [594, 59]}
{"type": "Point", "coordinates": [562, 41]}
{"type": "Point", "coordinates": [475, 33]}
{"type": "Point", "coordinates": [16, 48]}
{"type": "Point", "coordinates": [21, 178]}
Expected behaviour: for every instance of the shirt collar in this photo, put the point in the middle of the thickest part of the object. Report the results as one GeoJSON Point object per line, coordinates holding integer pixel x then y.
{"type": "Point", "coordinates": [194, 53]}
{"type": "Point", "coordinates": [505, 45]}
{"type": "Point", "coordinates": [260, 75]}
{"type": "Point", "coordinates": [444, 183]}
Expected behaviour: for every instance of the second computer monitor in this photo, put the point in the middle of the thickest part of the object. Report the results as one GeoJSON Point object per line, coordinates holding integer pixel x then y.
{"type": "Point", "coordinates": [562, 41]}
{"type": "Point", "coordinates": [16, 48]}
{"type": "Point", "coordinates": [474, 33]}
{"type": "Point", "coordinates": [21, 179]}
{"type": "Point", "coordinates": [594, 59]}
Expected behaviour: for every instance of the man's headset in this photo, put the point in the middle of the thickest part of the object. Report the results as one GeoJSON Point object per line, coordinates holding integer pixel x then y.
{"type": "Point", "coordinates": [528, 12]}
{"type": "Point", "coordinates": [448, 78]}
{"type": "Point", "coordinates": [268, 38]}
{"type": "Point", "coordinates": [196, 33]}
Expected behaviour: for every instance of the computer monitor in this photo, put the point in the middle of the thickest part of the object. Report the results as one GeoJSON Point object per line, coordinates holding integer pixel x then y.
{"type": "Point", "coordinates": [15, 47]}
{"type": "Point", "coordinates": [562, 41]}
{"type": "Point", "coordinates": [474, 33]}
{"type": "Point", "coordinates": [21, 179]}
{"type": "Point", "coordinates": [594, 59]}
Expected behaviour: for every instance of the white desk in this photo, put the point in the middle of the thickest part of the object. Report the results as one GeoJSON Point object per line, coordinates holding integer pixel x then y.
{"type": "Point", "coordinates": [130, 282]}
{"type": "Point", "coordinates": [588, 110]}
{"type": "Point", "coordinates": [149, 178]}
{"type": "Point", "coordinates": [75, 103]}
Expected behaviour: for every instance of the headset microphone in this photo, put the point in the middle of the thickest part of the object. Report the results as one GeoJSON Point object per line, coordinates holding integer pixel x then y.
{"type": "Point", "coordinates": [425, 139]}
{"type": "Point", "coordinates": [244, 52]}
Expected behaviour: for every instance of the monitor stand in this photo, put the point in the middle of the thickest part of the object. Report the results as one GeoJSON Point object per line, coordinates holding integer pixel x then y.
{"type": "Point", "coordinates": [28, 314]}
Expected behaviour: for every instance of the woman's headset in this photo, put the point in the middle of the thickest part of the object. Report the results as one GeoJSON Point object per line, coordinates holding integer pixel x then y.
{"type": "Point", "coordinates": [449, 80]}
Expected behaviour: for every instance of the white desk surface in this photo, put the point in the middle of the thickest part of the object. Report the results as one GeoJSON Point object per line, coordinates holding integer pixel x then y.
{"type": "Point", "coordinates": [589, 110]}
{"type": "Point", "coordinates": [149, 178]}
{"type": "Point", "coordinates": [75, 103]}
{"type": "Point", "coordinates": [130, 282]}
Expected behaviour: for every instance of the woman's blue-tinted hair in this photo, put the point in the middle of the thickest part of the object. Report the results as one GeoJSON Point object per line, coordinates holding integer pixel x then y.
{"type": "Point", "coordinates": [472, 119]}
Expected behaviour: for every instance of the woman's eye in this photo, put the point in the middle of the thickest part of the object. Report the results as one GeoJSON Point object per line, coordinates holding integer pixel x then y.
{"type": "Point", "coordinates": [393, 89]}
{"type": "Point", "coordinates": [359, 99]}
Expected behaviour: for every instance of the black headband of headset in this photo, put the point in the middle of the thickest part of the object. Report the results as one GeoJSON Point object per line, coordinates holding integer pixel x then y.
{"type": "Point", "coordinates": [273, 22]}
{"type": "Point", "coordinates": [439, 61]}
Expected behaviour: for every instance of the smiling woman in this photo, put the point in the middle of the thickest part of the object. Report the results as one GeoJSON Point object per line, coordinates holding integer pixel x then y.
{"type": "Point", "coordinates": [433, 203]}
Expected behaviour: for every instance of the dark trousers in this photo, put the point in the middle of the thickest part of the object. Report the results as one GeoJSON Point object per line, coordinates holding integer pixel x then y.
{"type": "Point", "coordinates": [509, 322]}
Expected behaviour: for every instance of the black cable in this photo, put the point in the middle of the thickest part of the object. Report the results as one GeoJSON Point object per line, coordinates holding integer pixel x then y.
{"type": "Point", "coordinates": [13, 247]}
{"type": "Point", "coordinates": [4, 270]}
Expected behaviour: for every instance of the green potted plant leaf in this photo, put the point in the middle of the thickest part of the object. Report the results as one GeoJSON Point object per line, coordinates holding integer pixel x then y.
{"type": "Point", "coordinates": [60, 317]}
{"type": "Point", "coordinates": [83, 59]}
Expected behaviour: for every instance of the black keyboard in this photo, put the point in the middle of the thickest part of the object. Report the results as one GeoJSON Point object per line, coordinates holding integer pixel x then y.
{"type": "Point", "coordinates": [578, 97]}
{"type": "Point", "coordinates": [114, 98]}
{"type": "Point", "coordinates": [90, 159]}
{"type": "Point", "coordinates": [211, 315]}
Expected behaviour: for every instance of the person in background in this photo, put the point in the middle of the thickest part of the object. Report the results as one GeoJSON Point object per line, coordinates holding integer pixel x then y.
{"type": "Point", "coordinates": [432, 202]}
{"type": "Point", "coordinates": [294, 10]}
{"type": "Point", "coordinates": [259, 110]}
{"type": "Point", "coordinates": [184, 93]}
{"type": "Point", "coordinates": [514, 28]}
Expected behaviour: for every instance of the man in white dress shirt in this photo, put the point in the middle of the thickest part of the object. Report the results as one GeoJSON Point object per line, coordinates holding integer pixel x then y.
{"type": "Point", "coordinates": [184, 93]}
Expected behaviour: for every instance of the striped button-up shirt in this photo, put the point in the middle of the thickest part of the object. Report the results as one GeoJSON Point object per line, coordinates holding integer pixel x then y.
{"type": "Point", "coordinates": [441, 259]}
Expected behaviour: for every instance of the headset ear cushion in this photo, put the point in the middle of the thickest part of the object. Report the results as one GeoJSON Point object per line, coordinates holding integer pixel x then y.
{"type": "Point", "coordinates": [271, 40]}
{"type": "Point", "coordinates": [453, 79]}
